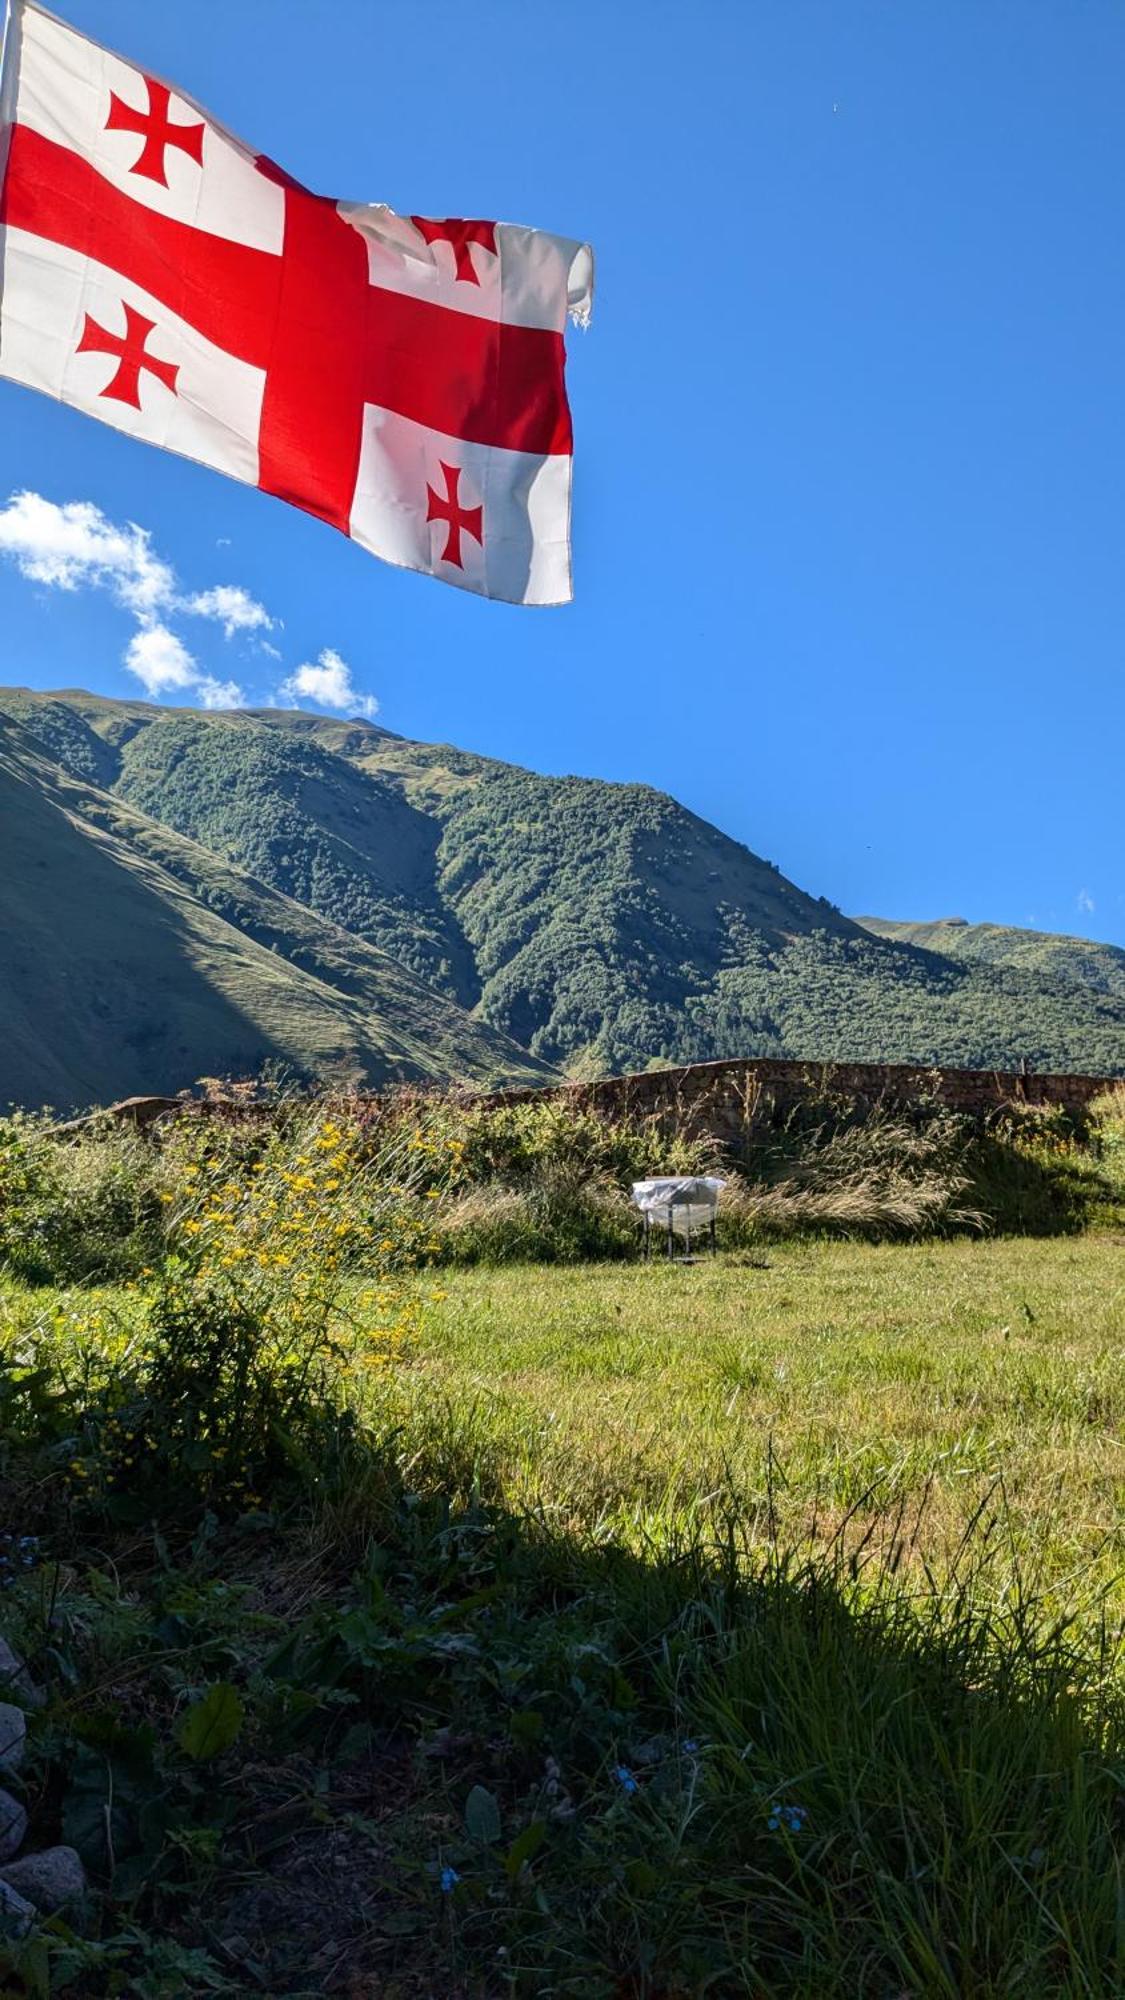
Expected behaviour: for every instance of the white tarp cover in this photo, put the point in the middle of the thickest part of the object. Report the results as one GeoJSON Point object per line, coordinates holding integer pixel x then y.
{"type": "Point", "coordinates": [684, 1204]}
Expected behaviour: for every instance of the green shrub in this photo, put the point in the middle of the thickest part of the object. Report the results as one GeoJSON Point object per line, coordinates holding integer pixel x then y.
{"type": "Point", "coordinates": [1107, 1127]}
{"type": "Point", "coordinates": [561, 1215]}
{"type": "Point", "coordinates": [227, 1369]}
{"type": "Point", "coordinates": [1034, 1171]}
{"type": "Point", "coordinates": [546, 1180]}
{"type": "Point", "coordinates": [521, 1142]}
{"type": "Point", "coordinates": [78, 1211]}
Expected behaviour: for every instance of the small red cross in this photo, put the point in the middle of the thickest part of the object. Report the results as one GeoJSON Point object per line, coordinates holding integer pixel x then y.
{"type": "Point", "coordinates": [461, 520]}
{"type": "Point", "coordinates": [156, 129]}
{"type": "Point", "coordinates": [460, 233]}
{"type": "Point", "coordinates": [131, 357]}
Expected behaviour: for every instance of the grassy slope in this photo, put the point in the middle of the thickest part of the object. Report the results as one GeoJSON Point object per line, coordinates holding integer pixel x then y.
{"type": "Point", "coordinates": [1099, 968]}
{"type": "Point", "coordinates": [602, 927]}
{"type": "Point", "coordinates": [136, 960]}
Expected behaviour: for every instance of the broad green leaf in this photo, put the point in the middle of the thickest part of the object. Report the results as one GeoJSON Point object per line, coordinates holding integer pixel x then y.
{"type": "Point", "coordinates": [526, 1727]}
{"type": "Point", "coordinates": [482, 1816]}
{"type": "Point", "coordinates": [211, 1724]}
{"type": "Point", "coordinates": [523, 1847]}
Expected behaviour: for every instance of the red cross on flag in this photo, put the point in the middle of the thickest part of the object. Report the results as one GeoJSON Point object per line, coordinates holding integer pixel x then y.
{"type": "Point", "coordinates": [399, 377]}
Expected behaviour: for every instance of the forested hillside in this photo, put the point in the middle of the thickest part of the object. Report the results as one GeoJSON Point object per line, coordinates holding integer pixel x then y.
{"type": "Point", "coordinates": [134, 959]}
{"type": "Point", "coordinates": [1071, 961]}
{"type": "Point", "coordinates": [602, 927]}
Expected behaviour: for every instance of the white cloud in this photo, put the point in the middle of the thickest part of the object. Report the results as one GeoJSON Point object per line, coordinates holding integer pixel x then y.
{"type": "Point", "coordinates": [74, 545]}
{"type": "Point", "coordinates": [219, 694]}
{"type": "Point", "coordinates": [161, 661]}
{"type": "Point", "coordinates": [231, 607]}
{"type": "Point", "coordinates": [1086, 903]}
{"type": "Point", "coordinates": [328, 683]}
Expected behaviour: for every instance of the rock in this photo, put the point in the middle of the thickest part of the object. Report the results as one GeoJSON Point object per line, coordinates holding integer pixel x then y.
{"type": "Point", "coordinates": [52, 1880]}
{"type": "Point", "coordinates": [15, 1679]}
{"type": "Point", "coordinates": [13, 1737]}
{"type": "Point", "coordinates": [11, 1666]}
{"type": "Point", "coordinates": [13, 1826]}
{"type": "Point", "coordinates": [16, 1914]}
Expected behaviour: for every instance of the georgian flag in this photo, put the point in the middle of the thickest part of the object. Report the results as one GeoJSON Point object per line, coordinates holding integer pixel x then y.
{"type": "Point", "coordinates": [399, 377]}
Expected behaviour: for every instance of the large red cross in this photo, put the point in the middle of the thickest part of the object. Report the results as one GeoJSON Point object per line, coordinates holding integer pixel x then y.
{"type": "Point", "coordinates": [460, 520]}
{"type": "Point", "coordinates": [327, 339]}
{"type": "Point", "coordinates": [460, 233]}
{"type": "Point", "coordinates": [155, 127]}
{"type": "Point", "coordinates": [130, 355]}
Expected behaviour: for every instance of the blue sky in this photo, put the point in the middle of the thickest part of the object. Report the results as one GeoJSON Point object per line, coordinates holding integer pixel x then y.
{"type": "Point", "coordinates": [849, 420]}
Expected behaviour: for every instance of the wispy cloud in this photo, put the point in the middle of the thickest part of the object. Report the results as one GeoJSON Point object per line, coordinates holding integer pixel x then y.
{"type": "Point", "coordinates": [74, 546]}
{"type": "Point", "coordinates": [327, 683]}
{"type": "Point", "coordinates": [211, 693]}
{"type": "Point", "coordinates": [162, 663]}
{"type": "Point", "coordinates": [231, 607]}
{"type": "Point", "coordinates": [1086, 903]}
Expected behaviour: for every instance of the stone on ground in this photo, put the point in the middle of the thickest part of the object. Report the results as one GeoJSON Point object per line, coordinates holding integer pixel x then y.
{"type": "Point", "coordinates": [13, 1826]}
{"type": "Point", "coordinates": [16, 1914]}
{"type": "Point", "coordinates": [13, 1737]}
{"type": "Point", "coordinates": [15, 1679]}
{"type": "Point", "coordinates": [52, 1880]}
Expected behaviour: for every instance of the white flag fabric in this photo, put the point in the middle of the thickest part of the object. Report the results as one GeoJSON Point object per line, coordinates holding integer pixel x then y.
{"type": "Point", "coordinates": [400, 377]}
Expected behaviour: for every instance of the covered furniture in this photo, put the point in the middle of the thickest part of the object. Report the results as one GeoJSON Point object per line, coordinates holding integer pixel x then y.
{"type": "Point", "coordinates": [682, 1206]}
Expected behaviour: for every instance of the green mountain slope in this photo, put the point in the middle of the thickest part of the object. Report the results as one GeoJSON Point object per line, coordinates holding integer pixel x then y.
{"type": "Point", "coordinates": [602, 927]}
{"type": "Point", "coordinates": [135, 960]}
{"type": "Point", "coordinates": [1070, 961]}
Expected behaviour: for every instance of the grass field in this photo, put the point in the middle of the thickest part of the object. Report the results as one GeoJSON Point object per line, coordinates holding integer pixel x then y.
{"type": "Point", "coordinates": [570, 1631]}
{"type": "Point", "coordinates": [809, 1381]}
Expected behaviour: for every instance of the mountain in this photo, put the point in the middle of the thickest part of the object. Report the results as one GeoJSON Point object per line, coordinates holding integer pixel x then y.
{"type": "Point", "coordinates": [1067, 961]}
{"type": "Point", "coordinates": [133, 959]}
{"type": "Point", "coordinates": [601, 927]}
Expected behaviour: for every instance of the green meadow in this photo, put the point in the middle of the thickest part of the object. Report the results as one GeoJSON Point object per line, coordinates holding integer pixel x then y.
{"type": "Point", "coordinates": [417, 1618]}
{"type": "Point", "coordinates": [810, 1380]}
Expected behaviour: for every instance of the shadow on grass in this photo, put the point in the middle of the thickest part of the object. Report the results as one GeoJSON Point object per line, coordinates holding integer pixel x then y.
{"type": "Point", "coordinates": [1025, 1193]}
{"type": "Point", "coordinates": [481, 1757]}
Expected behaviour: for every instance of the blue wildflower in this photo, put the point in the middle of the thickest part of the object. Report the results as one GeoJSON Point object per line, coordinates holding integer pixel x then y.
{"type": "Point", "coordinates": [625, 1779]}
{"type": "Point", "coordinates": [691, 1747]}
{"type": "Point", "coordinates": [17, 1552]}
{"type": "Point", "coordinates": [449, 1881]}
{"type": "Point", "coordinates": [788, 1819]}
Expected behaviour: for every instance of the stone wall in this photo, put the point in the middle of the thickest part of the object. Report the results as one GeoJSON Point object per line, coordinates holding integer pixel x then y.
{"type": "Point", "coordinates": [720, 1097]}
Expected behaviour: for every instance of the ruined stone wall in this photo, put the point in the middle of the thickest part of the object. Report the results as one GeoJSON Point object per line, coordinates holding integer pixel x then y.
{"type": "Point", "coordinates": [719, 1097]}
